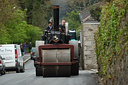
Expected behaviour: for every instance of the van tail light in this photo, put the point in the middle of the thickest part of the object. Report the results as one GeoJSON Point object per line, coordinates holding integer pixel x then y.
{"type": "Point", "coordinates": [31, 53]}
{"type": "Point", "coordinates": [0, 62]}
{"type": "Point", "coordinates": [15, 53]}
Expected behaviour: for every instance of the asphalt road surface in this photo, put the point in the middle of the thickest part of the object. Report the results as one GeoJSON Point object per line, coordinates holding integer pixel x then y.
{"type": "Point", "coordinates": [29, 78]}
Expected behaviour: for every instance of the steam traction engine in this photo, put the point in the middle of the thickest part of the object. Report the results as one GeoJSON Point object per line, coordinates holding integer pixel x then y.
{"type": "Point", "coordinates": [57, 54]}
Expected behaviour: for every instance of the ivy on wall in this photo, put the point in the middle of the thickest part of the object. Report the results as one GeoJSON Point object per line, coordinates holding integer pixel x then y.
{"type": "Point", "coordinates": [112, 36]}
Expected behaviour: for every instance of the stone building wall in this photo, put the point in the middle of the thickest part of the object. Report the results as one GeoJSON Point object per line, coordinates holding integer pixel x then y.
{"type": "Point", "coordinates": [88, 44]}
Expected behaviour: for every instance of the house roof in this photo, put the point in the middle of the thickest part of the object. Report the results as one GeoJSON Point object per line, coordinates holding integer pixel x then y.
{"type": "Point", "coordinates": [84, 15]}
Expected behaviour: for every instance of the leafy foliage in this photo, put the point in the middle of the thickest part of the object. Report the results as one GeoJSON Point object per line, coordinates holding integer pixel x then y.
{"type": "Point", "coordinates": [95, 11]}
{"type": "Point", "coordinates": [79, 5]}
{"type": "Point", "coordinates": [15, 29]}
{"type": "Point", "coordinates": [38, 12]}
{"type": "Point", "coordinates": [6, 10]}
{"type": "Point", "coordinates": [74, 21]}
{"type": "Point", "coordinates": [33, 33]}
{"type": "Point", "coordinates": [112, 36]}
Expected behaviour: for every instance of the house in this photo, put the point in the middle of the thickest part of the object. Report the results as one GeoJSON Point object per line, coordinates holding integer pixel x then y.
{"type": "Point", "coordinates": [89, 27]}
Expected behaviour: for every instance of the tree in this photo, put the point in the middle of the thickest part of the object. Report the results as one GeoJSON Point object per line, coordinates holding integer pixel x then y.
{"type": "Point", "coordinates": [33, 33]}
{"type": "Point", "coordinates": [95, 11]}
{"type": "Point", "coordinates": [38, 12]}
{"type": "Point", "coordinates": [7, 8]}
{"type": "Point", "coordinates": [13, 27]}
{"type": "Point", "coordinates": [74, 21]}
{"type": "Point", "coordinates": [4, 36]}
{"type": "Point", "coordinates": [20, 31]}
{"type": "Point", "coordinates": [79, 5]}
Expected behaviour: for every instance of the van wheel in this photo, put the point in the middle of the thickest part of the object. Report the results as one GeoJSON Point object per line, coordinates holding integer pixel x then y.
{"type": "Point", "coordinates": [3, 72]}
{"type": "Point", "coordinates": [18, 69]}
{"type": "Point", "coordinates": [23, 69]}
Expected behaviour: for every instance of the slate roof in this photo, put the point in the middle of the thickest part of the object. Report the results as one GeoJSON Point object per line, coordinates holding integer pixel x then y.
{"type": "Point", "coordinates": [85, 15]}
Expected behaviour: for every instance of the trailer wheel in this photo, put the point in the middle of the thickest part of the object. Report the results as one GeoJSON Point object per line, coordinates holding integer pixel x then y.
{"type": "Point", "coordinates": [38, 70]}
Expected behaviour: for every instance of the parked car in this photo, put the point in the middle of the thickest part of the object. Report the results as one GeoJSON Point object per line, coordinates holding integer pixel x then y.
{"type": "Point", "coordinates": [2, 66]}
{"type": "Point", "coordinates": [13, 57]}
{"type": "Point", "coordinates": [32, 54]}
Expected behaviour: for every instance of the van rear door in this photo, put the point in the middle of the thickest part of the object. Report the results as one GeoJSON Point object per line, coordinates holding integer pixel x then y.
{"type": "Point", "coordinates": [19, 55]}
{"type": "Point", "coordinates": [8, 52]}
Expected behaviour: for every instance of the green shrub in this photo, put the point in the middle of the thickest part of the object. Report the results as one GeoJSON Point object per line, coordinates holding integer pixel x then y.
{"type": "Point", "coordinates": [112, 36]}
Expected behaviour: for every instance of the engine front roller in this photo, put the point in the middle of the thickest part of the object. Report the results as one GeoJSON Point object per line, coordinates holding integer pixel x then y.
{"type": "Point", "coordinates": [55, 60]}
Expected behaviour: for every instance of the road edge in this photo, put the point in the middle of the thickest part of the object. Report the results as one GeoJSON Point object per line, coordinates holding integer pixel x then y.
{"type": "Point", "coordinates": [27, 60]}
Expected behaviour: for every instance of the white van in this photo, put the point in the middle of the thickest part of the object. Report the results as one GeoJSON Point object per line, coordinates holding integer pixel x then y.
{"type": "Point", "coordinates": [13, 57]}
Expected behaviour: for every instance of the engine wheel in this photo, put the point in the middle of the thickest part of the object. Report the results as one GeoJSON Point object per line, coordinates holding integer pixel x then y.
{"type": "Point", "coordinates": [75, 69]}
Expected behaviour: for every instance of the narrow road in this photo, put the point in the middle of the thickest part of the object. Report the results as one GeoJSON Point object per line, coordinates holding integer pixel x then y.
{"type": "Point", "coordinates": [29, 78]}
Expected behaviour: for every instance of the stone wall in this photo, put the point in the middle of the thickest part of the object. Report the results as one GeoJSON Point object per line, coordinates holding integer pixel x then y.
{"type": "Point", "coordinates": [88, 45]}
